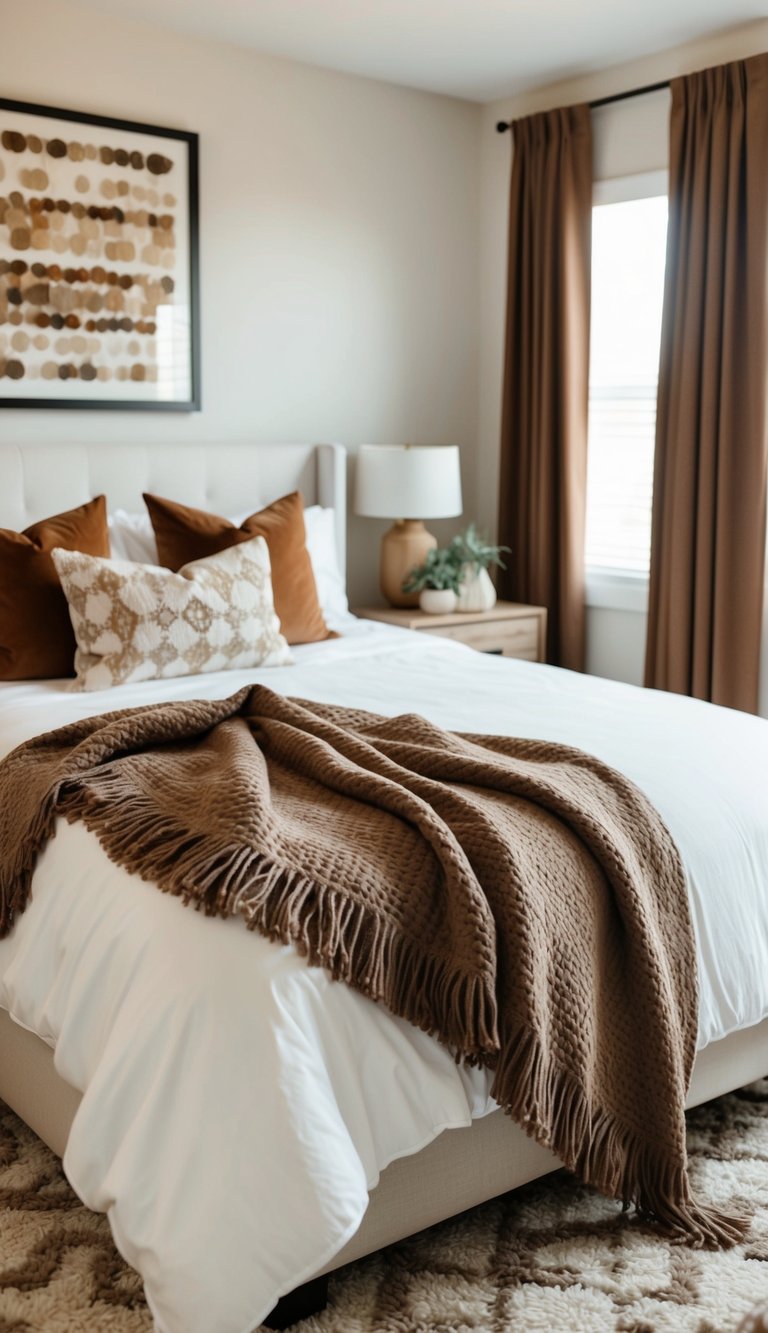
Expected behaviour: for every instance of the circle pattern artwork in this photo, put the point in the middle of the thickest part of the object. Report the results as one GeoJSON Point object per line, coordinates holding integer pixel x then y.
{"type": "Point", "coordinates": [89, 226]}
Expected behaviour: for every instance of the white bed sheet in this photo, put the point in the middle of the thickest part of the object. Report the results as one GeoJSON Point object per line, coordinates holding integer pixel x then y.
{"type": "Point", "coordinates": [237, 1105]}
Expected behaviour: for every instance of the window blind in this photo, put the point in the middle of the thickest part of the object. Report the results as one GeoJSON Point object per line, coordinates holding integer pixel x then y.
{"type": "Point", "coordinates": [622, 425]}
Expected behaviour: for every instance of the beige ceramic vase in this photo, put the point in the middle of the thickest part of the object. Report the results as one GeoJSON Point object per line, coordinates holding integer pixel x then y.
{"type": "Point", "coordinates": [476, 592]}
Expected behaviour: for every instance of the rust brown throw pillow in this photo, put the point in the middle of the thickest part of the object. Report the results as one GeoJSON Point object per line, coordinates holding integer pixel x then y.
{"type": "Point", "coordinates": [185, 534]}
{"type": "Point", "coordinates": [36, 636]}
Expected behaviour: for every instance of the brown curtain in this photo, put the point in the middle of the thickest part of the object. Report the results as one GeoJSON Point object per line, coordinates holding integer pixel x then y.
{"type": "Point", "coordinates": [544, 425]}
{"type": "Point", "coordinates": [707, 550]}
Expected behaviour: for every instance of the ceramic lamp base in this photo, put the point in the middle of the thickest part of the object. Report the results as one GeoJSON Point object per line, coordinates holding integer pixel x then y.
{"type": "Point", "coordinates": [405, 545]}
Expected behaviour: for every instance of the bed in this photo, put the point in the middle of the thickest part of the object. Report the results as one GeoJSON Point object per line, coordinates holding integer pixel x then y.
{"type": "Point", "coordinates": [357, 1129]}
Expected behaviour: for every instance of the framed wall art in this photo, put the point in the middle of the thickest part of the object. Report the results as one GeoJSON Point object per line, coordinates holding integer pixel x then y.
{"type": "Point", "coordinates": [99, 304]}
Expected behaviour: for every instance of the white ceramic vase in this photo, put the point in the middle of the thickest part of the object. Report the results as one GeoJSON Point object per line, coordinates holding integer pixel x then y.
{"type": "Point", "coordinates": [438, 601]}
{"type": "Point", "coordinates": [476, 592]}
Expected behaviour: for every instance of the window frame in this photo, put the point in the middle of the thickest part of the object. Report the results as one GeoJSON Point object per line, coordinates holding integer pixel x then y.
{"type": "Point", "coordinates": [622, 590]}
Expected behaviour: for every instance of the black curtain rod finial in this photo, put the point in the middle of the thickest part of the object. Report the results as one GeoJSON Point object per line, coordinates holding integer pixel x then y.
{"type": "Point", "coordinates": [502, 126]}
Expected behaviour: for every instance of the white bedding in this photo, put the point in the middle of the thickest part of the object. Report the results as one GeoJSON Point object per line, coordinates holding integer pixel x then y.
{"type": "Point", "coordinates": [237, 1105]}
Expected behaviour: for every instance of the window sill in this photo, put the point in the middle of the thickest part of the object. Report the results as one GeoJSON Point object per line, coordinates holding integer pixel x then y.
{"type": "Point", "coordinates": [617, 590]}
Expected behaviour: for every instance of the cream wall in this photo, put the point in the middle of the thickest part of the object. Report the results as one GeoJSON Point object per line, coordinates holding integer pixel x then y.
{"type": "Point", "coordinates": [629, 137]}
{"type": "Point", "coordinates": [339, 221]}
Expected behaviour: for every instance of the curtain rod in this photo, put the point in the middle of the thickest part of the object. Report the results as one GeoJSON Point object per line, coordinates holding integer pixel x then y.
{"type": "Point", "coordinates": [503, 125]}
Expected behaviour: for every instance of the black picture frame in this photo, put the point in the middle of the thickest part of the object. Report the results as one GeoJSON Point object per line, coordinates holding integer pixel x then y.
{"type": "Point", "coordinates": [185, 331]}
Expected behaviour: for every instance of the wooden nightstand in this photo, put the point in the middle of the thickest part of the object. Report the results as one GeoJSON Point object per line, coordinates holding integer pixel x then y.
{"type": "Point", "coordinates": [509, 628]}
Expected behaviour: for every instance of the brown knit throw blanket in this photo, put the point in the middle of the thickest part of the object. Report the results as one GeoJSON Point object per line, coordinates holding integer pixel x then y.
{"type": "Point", "coordinates": [519, 899]}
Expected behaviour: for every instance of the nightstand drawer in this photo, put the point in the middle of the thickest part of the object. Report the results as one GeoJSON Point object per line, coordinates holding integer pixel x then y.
{"type": "Point", "coordinates": [513, 629]}
{"type": "Point", "coordinates": [513, 638]}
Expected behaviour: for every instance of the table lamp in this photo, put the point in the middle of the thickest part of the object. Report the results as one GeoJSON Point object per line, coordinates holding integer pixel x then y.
{"type": "Point", "coordinates": [406, 482]}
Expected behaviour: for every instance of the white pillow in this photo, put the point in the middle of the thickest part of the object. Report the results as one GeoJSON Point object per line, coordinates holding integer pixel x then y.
{"type": "Point", "coordinates": [136, 622]}
{"type": "Point", "coordinates": [320, 526]}
{"type": "Point", "coordinates": [131, 537]}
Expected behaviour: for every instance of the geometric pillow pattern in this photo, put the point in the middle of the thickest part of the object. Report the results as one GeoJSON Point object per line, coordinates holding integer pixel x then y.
{"type": "Point", "coordinates": [184, 534]}
{"type": "Point", "coordinates": [141, 622]}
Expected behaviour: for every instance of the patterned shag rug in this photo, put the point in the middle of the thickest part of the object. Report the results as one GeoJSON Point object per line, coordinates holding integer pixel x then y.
{"type": "Point", "coordinates": [551, 1258]}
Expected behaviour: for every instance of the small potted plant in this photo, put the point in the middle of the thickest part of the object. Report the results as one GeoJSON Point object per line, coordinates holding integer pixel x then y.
{"type": "Point", "coordinates": [474, 555]}
{"type": "Point", "coordinates": [437, 581]}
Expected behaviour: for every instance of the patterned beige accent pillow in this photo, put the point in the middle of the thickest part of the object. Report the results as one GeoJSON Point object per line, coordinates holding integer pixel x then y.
{"type": "Point", "coordinates": [140, 622]}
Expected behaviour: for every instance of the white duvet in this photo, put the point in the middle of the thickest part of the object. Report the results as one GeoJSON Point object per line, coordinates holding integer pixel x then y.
{"type": "Point", "coordinates": [238, 1105]}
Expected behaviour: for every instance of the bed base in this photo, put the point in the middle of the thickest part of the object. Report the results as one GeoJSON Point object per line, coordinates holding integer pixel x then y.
{"type": "Point", "coordinates": [458, 1170]}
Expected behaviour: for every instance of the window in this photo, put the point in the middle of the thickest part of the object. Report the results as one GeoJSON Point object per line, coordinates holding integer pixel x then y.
{"type": "Point", "coordinates": [629, 232]}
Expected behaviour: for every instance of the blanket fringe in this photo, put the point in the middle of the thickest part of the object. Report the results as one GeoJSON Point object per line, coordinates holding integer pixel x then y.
{"type": "Point", "coordinates": [548, 1103]}
{"type": "Point", "coordinates": [16, 877]}
{"type": "Point", "coordinates": [328, 929]}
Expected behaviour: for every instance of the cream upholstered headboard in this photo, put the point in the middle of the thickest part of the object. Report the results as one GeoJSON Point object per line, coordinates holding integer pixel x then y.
{"type": "Point", "coordinates": [41, 479]}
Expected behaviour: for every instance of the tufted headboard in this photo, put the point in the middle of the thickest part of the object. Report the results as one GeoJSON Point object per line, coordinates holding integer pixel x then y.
{"type": "Point", "coordinates": [41, 479]}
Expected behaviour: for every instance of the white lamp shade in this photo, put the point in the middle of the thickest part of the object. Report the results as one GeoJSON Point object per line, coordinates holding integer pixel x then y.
{"type": "Point", "coordinates": [408, 481]}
